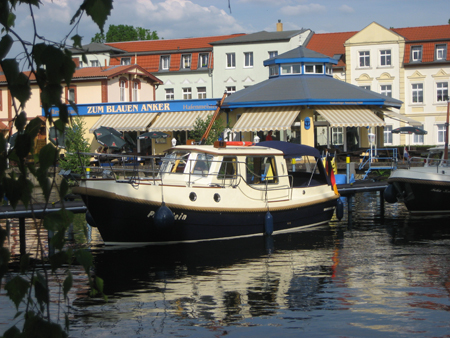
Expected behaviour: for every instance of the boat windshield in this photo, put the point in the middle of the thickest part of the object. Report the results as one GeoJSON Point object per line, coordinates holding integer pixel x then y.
{"type": "Point", "coordinates": [174, 162]}
{"type": "Point", "coordinates": [202, 164]}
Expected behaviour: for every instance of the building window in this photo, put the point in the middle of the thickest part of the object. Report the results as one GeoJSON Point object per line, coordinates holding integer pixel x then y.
{"type": "Point", "coordinates": [187, 93]}
{"type": "Point", "coordinates": [231, 90]}
{"type": "Point", "coordinates": [291, 69]}
{"type": "Point", "coordinates": [313, 69]}
{"type": "Point", "coordinates": [272, 54]}
{"type": "Point", "coordinates": [365, 87]}
{"type": "Point", "coordinates": [136, 91]}
{"type": "Point", "coordinates": [418, 139]}
{"type": "Point", "coordinates": [169, 94]}
{"type": "Point", "coordinates": [388, 134]}
{"type": "Point", "coordinates": [441, 52]}
{"type": "Point", "coordinates": [95, 63]}
{"type": "Point", "coordinates": [186, 61]}
{"type": "Point", "coordinates": [442, 91]}
{"type": "Point", "coordinates": [125, 61]}
{"type": "Point", "coordinates": [441, 133]}
{"type": "Point", "coordinates": [386, 90]}
{"type": "Point", "coordinates": [337, 135]}
{"type": "Point", "coordinates": [329, 69]}
{"type": "Point", "coordinates": [273, 70]}
{"type": "Point", "coordinates": [385, 58]}
{"type": "Point", "coordinates": [248, 59]}
{"type": "Point", "coordinates": [201, 92]}
{"type": "Point", "coordinates": [416, 53]}
{"type": "Point", "coordinates": [203, 61]}
{"type": "Point", "coordinates": [364, 59]}
{"type": "Point", "coordinates": [231, 60]}
{"type": "Point", "coordinates": [122, 86]}
{"type": "Point", "coordinates": [71, 94]}
{"type": "Point", "coordinates": [417, 93]}
{"type": "Point", "coordinates": [165, 62]}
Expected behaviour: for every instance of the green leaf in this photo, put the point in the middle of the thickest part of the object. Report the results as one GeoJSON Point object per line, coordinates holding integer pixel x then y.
{"type": "Point", "coordinates": [58, 220]}
{"type": "Point", "coordinates": [21, 121]}
{"type": "Point", "coordinates": [99, 10]}
{"type": "Point", "coordinates": [76, 41]}
{"type": "Point", "coordinates": [63, 189]}
{"type": "Point", "coordinates": [67, 285]}
{"type": "Point", "coordinates": [12, 332]}
{"type": "Point", "coordinates": [47, 156]}
{"type": "Point", "coordinates": [33, 127]}
{"type": "Point", "coordinates": [4, 13]}
{"type": "Point", "coordinates": [24, 263]}
{"type": "Point", "coordinates": [5, 45]}
{"type": "Point", "coordinates": [59, 259]}
{"type": "Point", "coordinates": [16, 289]}
{"type": "Point", "coordinates": [85, 259]}
{"type": "Point", "coordinates": [41, 290]}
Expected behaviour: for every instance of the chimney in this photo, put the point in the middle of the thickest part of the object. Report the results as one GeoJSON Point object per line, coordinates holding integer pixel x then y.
{"type": "Point", "coordinates": [279, 26]}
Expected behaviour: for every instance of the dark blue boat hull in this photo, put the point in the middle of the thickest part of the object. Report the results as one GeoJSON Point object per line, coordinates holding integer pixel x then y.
{"type": "Point", "coordinates": [121, 221]}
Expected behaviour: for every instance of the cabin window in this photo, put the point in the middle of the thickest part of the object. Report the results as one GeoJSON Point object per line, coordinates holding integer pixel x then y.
{"type": "Point", "coordinates": [228, 168]}
{"type": "Point", "coordinates": [261, 170]}
{"type": "Point", "coordinates": [174, 162]}
{"type": "Point", "coordinates": [202, 164]}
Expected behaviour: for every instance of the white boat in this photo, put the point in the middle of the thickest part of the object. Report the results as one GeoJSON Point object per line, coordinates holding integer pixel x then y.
{"type": "Point", "coordinates": [225, 191]}
{"type": "Point", "coordinates": [424, 188]}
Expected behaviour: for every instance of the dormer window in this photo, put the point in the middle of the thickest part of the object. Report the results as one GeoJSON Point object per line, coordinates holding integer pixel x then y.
{"type": "Point", "coordinates": [416, 53]}
{"type": "Point", "coordinates": [203, 61]}
{"type": "Point", "coordinates": [291, 69]}
{"type": "Point", "coordinates": [125, 61]}
{"type": "Point", "coordinates": [165, 62]}
{"type": "Point", "coordinates": [186, 61]}
{"type": "Point", "coordinates": [314, 69]}
{"type": "Point", "coordinates": [273, 70]}
{"type": "Point", "coordinates": [329, 69]}
{"type": "Point", "coordinates": [441, 52]}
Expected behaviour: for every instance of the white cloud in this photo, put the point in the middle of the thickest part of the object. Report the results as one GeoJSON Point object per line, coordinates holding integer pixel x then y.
{"type": "Point", "coordinates": [175, 18]}
{"type": "Point", "coordinates": [346, 9]}
{"type": "Point", "coordinates": [302, 9]}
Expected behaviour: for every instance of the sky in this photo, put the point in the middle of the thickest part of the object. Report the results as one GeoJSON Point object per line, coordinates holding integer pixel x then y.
{"type": "Point", "coordinates": [174, 19]}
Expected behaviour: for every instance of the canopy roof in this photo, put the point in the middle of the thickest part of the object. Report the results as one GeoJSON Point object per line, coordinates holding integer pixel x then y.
{"type": "Point", "coordinates": [291, 150]}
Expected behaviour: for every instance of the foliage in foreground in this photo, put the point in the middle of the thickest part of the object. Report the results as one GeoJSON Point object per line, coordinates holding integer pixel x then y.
{"type": "Point", "coordinates": [200, 127]}
{"type": "Point", "coordinates": [50, 66]}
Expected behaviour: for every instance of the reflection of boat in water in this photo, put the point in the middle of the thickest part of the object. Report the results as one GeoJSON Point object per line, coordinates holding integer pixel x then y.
{"type": "Point", "coordinates": [220, 280]}
{"type": "Point", "coordinates": [213, 192]}
{"type": "Point", "coordinates": [423, 189]}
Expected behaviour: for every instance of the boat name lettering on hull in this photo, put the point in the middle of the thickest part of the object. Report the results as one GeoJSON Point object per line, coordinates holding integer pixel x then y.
{"type": "Point", "coordinates": [177, 217]}
{"type": "Point", "coordinates": [445, 191]}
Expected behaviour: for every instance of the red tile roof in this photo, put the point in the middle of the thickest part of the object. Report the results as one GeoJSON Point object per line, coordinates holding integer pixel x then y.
{"type": "Point", "coordinates": [330, 44]}
{"type": "Point", "coordinates": [428, 51]}
{"type": "Point", "coordinates": [169, 45]}
{"type": "Point", "coordinates": [424, 33]}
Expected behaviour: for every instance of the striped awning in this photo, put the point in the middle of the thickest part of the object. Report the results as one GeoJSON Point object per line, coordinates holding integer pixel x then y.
{"type": "Point", "coordinates": [350, 116]}
{"type": "Point", "coordinates": [182, 120]}
{"type": "Point", "coordinates": [267, 118]}
{"type": "Point", "coordinates": [400, 117]}
{"type": "Point", "coordinates": [125, 122]}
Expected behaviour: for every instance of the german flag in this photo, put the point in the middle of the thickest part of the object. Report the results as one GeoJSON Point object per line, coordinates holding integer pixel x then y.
{"type": "Point", "coordinates": [330, 172]}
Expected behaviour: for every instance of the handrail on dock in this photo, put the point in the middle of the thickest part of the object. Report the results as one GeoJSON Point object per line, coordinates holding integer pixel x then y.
{"type": "Point", "coordinates": [379, 159]}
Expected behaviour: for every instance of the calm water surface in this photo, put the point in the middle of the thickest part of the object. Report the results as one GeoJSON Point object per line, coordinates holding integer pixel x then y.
{"type": "Point", "coordinates": [379, 277]}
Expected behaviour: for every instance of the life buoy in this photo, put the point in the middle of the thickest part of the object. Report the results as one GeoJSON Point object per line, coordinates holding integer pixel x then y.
{"type": "Point", "coordinates": [240, 143]}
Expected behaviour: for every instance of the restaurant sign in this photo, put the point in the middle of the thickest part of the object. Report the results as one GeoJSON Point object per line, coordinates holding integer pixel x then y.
{"type": "Point", "coordinates": [139, 107]}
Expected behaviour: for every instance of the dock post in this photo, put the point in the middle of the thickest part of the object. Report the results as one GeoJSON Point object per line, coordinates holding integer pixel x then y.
{"type": "Point", "coordinates": [51, 249]}
{"type": "Point", "coordinates": [349, 209]}
{"type": "Point", "coordinates": [70, 233]}
{"type": "Point", "coordinates": [22, 238]}
{"type": "Point", "coordinates": [347, 160]}
{"type": "Point", "coordinates": [382, 203]}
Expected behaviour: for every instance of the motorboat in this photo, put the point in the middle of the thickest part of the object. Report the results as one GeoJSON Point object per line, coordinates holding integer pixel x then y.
{"type": "Point", "coordinates": [212, 192]}
{"type": "Point", "coordinates": [424, 187]}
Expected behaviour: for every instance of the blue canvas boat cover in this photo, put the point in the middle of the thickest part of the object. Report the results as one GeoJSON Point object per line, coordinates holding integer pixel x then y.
{"type": "Point", "coordinates": [291, 150]}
